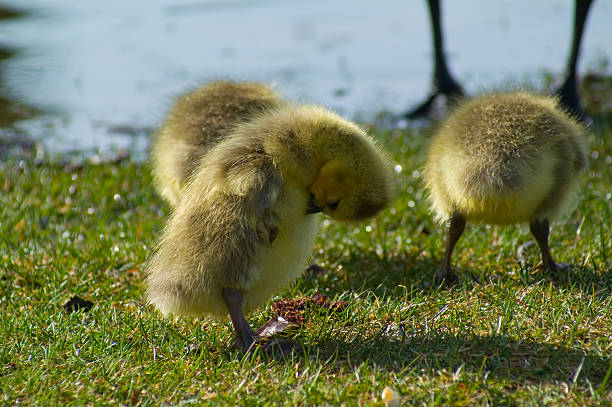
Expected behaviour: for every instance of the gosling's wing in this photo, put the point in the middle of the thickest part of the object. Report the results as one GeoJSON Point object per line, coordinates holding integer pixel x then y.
{"type": "Point", "coordinates": [257, 181]}
{"type": "Point", "coordinates": [254, 176]}
{"type": "Point", "coordinates": [212, 237]}
{"type": "Point", "coordinates": [253, 185]}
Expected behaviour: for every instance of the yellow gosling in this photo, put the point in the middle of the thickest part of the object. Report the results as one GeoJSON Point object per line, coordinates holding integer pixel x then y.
{"type": "Point", "coordinates": [196, 122]}
{"type": "Point", "coordinates": [503, 159]}
{"type": "Point", "coordinates": [245, 222]}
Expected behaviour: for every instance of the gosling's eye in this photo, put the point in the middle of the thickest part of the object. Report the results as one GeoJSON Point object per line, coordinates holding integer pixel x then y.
{"type": "Point", "coordinates": [333, 205]}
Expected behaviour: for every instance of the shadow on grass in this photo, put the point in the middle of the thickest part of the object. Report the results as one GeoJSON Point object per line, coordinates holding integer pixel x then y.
{"type": "Point", "coordinates": [488, 356]}
{"type": "Point", "coordinates": [366, 270]}
{"type": "Point", "coordinates": [363, 270]}
{"type": "Point", "coordinates": [582, 278]}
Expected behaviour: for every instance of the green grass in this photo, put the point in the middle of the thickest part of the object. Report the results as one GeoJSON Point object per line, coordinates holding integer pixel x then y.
{"type": "Point", "coordinates": [507, 335]}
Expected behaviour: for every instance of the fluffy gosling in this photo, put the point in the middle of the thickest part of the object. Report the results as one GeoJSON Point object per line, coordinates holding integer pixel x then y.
{"type": "Point", "coordinates": [244, 221]}
{"type": "Point", "coordinates": [196, 122]}
{"type": "Point", "coordinates": [503, 159]}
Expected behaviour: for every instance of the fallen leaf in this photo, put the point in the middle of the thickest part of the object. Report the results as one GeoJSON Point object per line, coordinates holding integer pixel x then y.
{"type": "Point", "coordinates": [272, 327]}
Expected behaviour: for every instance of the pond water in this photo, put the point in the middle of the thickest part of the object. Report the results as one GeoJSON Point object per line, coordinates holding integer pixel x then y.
{"type": "Point", "coordinates": [81, 75]}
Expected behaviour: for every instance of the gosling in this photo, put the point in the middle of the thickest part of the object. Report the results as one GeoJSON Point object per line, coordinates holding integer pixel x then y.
{"type": "Point", "coordinates": [197, 121]}
{"type": "Point", "coordinates": [244, 219]}
{"type": "Point", "coordinates": [503, 159]}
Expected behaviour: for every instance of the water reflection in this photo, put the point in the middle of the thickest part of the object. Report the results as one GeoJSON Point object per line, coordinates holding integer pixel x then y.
{"type": "Point", "coordinates": [11, 110]}
{"type": "Point", "coordinates": [101, 74]}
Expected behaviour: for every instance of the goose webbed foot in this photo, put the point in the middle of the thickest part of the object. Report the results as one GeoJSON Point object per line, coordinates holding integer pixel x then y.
{"type": "Point", "coordinates": [428, 108]}
{"type": "Point", "coordinates": [568, 91]}
{"type": "Point", "coordinates": [569, 98]}
{"type": "Point", "coordinates": [443, 85]}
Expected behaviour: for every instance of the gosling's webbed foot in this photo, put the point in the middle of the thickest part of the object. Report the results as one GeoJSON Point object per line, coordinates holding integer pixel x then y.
{"type": "Point", "coordinates": [564, 266]}
{"type": "Point", "coordinates": [554, 266]}
{"type": "Point", "coordinates": [447, 277]}
{"type": "Point", "coordinates": [246, 346]}
{"type": "Point", "coordinates": [540, 229]}
{"type": "Point", "coordinates": [276, 347]}
{"type": "Point", "coordinates": [246, 341]}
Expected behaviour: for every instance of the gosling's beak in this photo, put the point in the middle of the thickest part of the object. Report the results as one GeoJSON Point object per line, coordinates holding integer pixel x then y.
{"type": "Point", "coordinates": [312, 207]}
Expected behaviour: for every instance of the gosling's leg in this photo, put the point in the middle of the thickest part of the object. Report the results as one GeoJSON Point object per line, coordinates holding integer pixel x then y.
{"type": "Point", "coordinates": [568, 92]}
{"type": "Point", "coordinates": [443, 82]}
{"type": "Point", "coordinates": [540, 230]}
{"type": "Point", "coordinates": [244, 335]}
{"type": "Point", "coordinates": [455, 225]}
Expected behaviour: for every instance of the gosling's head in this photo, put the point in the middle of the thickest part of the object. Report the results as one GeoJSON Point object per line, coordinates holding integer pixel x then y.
{"type": "Point", "coordinates": [347, 175]}
{"type": "Point", "coordinates": [353, 187]}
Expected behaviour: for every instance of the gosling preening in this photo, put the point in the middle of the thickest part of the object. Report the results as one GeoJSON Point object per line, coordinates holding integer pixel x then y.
{"type": "Point", "coordinates": [244, 218]}
{"type": "Point", "coordinates": [503, 159]}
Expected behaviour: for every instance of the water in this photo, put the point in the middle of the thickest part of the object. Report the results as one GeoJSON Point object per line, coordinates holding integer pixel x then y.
{"type": "Point", "coordinates": [81, 75]}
